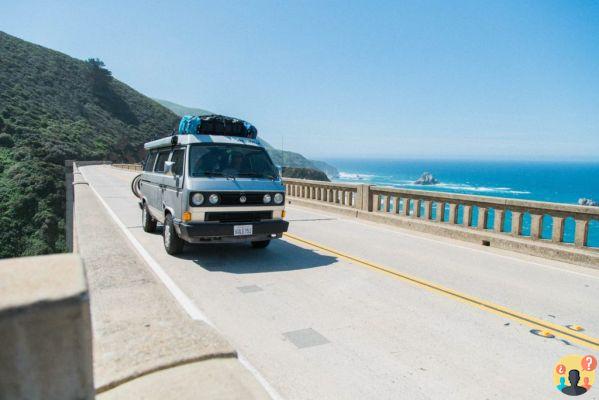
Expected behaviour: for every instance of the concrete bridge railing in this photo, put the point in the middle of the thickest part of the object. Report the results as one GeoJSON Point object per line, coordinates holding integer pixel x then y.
{"type": "Point", "coordinates": [456, 208]}
{"type": "Point", "coordinates": [335, 193]}
{"type": "Point", "coordinates": [477, 214]}
{"type": "Point", "coordinates": [130, 167]}
{"type": "Point", "coordinates": [452, 208]}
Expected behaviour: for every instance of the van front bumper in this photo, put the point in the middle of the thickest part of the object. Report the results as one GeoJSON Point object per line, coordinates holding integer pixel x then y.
{"type": "Point", "coordinates": [223, 231]}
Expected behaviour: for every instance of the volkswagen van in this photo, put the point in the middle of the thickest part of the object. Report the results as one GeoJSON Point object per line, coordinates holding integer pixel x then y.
{"type": "Point", "coordinates": [211, 189]}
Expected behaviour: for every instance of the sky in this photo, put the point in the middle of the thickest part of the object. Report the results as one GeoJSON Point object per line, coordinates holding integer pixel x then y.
{"type": "Point", "coordinates": [372, 79]}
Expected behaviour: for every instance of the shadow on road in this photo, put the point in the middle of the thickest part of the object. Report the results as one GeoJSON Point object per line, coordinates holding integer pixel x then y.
{"type": "Point", "coordinates": [243, 259]}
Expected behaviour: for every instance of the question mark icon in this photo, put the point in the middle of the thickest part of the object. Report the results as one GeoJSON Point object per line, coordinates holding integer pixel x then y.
{"type": "Point", "coordinates": [588, 363]}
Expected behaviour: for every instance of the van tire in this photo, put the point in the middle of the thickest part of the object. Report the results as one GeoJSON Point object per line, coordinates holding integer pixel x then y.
{"type": "Point", "coordinates": [260, 244]}
{"type": "Point", "coordinates": [173, 244]}
{"type": "Point", "coordinates": [148, 223]}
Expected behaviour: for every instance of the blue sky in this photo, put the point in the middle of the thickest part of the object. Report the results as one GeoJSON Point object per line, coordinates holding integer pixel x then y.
{"type": "Point", "coordinates": [446, 79]}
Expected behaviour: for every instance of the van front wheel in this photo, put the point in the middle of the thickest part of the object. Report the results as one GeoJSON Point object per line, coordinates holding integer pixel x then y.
{"type": "Point", "coordinates": [173, 244]}
{"type": "Point", "coordinates": [148, 223]}
{"type": "Point", "coordinates": [260, 244]}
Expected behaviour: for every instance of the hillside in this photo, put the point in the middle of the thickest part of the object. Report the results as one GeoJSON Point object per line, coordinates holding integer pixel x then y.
{"type": "Point", "coordinates": [291, 159]}
{"type": "Point", "coordinates": [328, 169]}
{"type": "Point", "coordinates": [53, 108]}
{"type": "Point", "coordinates": [304, 173]}
{"type": "Point", "coordinates": [182, 110]}
{"type": "Point", "coordinates": [283, 158]}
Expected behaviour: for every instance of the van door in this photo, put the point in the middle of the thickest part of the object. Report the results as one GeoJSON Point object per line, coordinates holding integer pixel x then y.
{"type": "Point", "coordinates": [149, 186]}
{"type": "Point", "coordinates": [173, 184]}
{"type": "Point", "coordinates": [156, 185]}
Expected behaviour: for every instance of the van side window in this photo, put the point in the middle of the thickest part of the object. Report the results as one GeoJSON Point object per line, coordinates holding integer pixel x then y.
{"type": "Point", "coordinates": [178, 157]}
{"type": "Point", "coordinates": [162, 157]}
{"type": "Point", "coordinates": [150, 161]}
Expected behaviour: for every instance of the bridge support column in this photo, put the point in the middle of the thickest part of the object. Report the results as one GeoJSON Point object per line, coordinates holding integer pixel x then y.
{"type": "Point", "coordinates": [557, 234]}
{"type": "Point", "coordinates": [453, 213]}
{"type": "Point", "coordinates": [483, 215]}
{"type": "Point", "coordinates": [498, 220]}
{"type": "Point", "coordinates": [536, 226]}
{"type": "Point", "coordinates": [406, 207]}
{"type": "Point", "coordinates": [387, 203]}
{"type": "Point", "coordinates": [427, 209]}
{"type": "Point", "coordinates": [440, 211]}
{"type": "Point", "coordinates": [467, 217]}
{"type": "Point", "coordinates": [581, 232]}
{"type": "Point", "coordinates": [516, 223]}
{"type": "Point", "coordinates": [363, 198]}
{"type": "Point", "coordinates": [416, 212]}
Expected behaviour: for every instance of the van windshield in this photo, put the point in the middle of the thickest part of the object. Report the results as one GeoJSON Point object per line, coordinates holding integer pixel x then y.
{"type": "Point", "coordinates": [236, 161]}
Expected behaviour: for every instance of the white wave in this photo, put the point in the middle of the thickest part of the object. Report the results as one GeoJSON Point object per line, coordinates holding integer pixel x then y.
{"type": "Point", "coordinates": [352, 176]}
{"type": "Point", "coordinates": [465, 187]}
{"type": "Point", "coordinates": [458, 187]}
{"type": "Point", "coordinates": [482, 188]}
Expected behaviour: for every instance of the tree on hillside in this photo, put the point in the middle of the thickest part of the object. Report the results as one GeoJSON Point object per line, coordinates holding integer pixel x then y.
{"type": "Point", "coordinates": [98, 67]}
{"type": "Point", "coordinates": [104, 91]}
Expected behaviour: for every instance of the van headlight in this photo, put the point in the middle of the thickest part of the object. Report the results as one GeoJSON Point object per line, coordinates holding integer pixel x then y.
{"type": "Point", "coordinates": [197, 199]}
{"type": "Point", "coordinates": [278, 198]}
{"type": "Point", "coordinates": [266, 199]}
{"type": "Point", "coordinates": [213, 199]}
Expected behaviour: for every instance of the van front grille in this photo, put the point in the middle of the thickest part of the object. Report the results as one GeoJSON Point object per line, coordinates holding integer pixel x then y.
{"type": "Point", "coordinates": [228, 199]}
{"type": "Point", "coordinates": [232, 199]}
{"type": "Point", "coordinates": [244, 216]}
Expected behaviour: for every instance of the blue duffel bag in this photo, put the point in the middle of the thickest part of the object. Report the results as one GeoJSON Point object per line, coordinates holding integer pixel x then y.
{"type": "Point", "coordinates": [216, 125]}
{"type": "Point", "coordinates": [189, 125]}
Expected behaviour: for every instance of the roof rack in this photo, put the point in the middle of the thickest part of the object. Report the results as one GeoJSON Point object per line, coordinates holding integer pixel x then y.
{"type": "Point", "coordinates": [218, 125]}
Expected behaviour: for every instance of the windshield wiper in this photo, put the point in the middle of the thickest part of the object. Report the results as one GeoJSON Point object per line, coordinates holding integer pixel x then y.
{"type": "Point", "coordinates": [212, 173]}
{"type": "Point", "coordinates": [257, 175]}
{"type": "Point", "coordinates": [219, 173]}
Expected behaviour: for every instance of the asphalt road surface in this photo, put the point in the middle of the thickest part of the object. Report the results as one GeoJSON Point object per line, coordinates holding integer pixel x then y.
{"type": "Point", "coordinates": [344, 309]}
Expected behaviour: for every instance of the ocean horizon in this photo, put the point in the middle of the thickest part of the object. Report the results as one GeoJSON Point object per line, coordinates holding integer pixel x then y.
{"type": "Point", "coordinates": [551, 181]}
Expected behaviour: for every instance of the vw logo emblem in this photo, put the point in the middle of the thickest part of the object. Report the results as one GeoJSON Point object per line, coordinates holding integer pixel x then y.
{"type": "Point", "coordinates": [242, 199]}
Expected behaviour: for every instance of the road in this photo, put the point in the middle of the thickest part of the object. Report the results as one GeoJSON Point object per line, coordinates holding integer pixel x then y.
{"type": "Point", "coordinates": [344, 309]}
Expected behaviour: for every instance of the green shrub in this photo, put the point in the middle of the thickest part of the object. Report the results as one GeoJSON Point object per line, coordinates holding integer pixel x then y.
{"type": "Point", "coordinates": [6, 140]}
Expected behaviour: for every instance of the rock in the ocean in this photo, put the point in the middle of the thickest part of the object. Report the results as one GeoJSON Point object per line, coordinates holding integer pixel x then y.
{"type": "Point", "coordinates": [587, 202]}
{"type": "Point", "coordinates": [426, 179]}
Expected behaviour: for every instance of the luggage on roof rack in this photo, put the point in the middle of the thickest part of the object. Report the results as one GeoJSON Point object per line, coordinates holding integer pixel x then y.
{"type": "Point", "coordinates": [217, 125]}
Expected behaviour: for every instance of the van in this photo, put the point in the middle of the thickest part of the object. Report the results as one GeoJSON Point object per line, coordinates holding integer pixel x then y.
{"type": "Point", "coordinates": [211, 189]}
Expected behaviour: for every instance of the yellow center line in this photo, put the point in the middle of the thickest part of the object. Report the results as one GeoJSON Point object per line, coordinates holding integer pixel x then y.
{"type": "Point", "coordinates": [536, 323]}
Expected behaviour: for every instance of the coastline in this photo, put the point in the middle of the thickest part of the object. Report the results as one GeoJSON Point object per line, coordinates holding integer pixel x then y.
{"type": "Point", "coordinates": [563, 182]}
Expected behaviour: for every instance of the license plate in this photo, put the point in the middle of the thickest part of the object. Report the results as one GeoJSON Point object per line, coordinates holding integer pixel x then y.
{"type": "Point", "coordinates": [242, 230]}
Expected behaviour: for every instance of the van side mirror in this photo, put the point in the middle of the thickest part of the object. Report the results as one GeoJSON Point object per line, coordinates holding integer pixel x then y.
{"type": "Point", "coordinates": [168, 168]}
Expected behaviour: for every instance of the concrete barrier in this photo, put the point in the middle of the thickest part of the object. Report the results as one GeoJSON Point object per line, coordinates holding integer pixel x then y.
{"type": "Point", "coordinates": [129, 167]}
{"type": "Point", "coordinates": [45, 329]}
{"type": "Point", "coordinates": [451, 215]}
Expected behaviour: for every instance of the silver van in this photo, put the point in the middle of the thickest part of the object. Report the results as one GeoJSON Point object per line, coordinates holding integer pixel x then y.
{"type": "Point", "coordinates": [208, 189]}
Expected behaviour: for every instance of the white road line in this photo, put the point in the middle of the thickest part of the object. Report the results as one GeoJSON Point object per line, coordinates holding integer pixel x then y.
{"type": "Point", "coordinates": [188, 305]}
{"type": "Point", "coordinates": [400, 232]}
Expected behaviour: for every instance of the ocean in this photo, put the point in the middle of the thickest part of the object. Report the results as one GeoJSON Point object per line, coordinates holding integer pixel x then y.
{"type": "Point", "coordinates": [560, 182]}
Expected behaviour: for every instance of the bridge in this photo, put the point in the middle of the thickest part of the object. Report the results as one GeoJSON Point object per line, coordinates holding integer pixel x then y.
{"type": "Point", "coordinates": [374, 293]}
